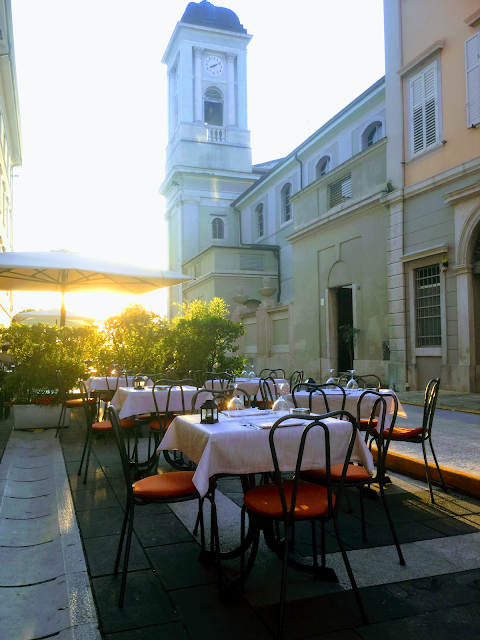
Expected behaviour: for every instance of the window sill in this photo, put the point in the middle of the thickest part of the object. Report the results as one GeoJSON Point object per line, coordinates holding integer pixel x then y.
{"type": "Point", "coordinates": [428, 351]}
{"type": "Point", "coordinates": [286, 224]}
{"type": "Point", "coordinates": [425, 154]}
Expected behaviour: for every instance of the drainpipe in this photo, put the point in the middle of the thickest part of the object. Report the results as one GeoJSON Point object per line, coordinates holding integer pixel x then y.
{"type": "Point", "coordinates": [260, 247]}
{"type": "Point", "coordinates": [301, 170]}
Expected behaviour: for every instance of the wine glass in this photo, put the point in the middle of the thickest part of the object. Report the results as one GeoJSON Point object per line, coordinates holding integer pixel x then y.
{"type": "Point", "coordinates": [235, 404]}
{"type": "Point", "coordinates": [352, 383]}
{"type": "Point", "coordinates": [331, 382]}
{"type": "Point", "coordinates": [252, 372]}
{"type": "Point", "coordinates": [281, 405]}
{"type": "Point", "coordinates": [244, 373]}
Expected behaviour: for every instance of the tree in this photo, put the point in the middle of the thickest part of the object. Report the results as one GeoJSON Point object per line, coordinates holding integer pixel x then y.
{"type": "Point", "coordinates": [202, 338]}
{"type": "Point", "coordinates": [348, 333]}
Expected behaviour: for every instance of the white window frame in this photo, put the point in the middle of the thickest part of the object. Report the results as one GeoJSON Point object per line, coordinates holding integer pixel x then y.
{"type": "Point", "coordinates": [376, 120]}
{"type": "Point", "coordinates": [285, 203]}
{"type": "Point", "coordinates": [418, 101]}
{"type": "Point", "coordinates": [327, 157]}
{"type": "Point", "coordinates": [472, 79]}
{"type": "Point", "coordinates": [259, 211]}
{"type": "Point", "coordinates": [223, 228]}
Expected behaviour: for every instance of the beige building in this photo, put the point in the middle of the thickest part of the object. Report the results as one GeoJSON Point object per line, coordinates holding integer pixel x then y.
{"type": "Point", "coordinates": [433, 162]}
{"type": "Point", "coordinates": [10, 142]}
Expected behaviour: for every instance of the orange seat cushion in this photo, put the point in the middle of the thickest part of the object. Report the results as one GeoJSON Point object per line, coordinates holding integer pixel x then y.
{"type": "Point", "coordinates": [106, 425]}
{"type": "Point", "coordinates": [312, 500]}
{"type": "Point", "coordinates": [354, 473]}
{"type": "Point", "coordinates": [364, 424]}
{"type": "Point", "coordinates": [166, 485]}
{"type": "Point", "coordinates": [156, 426]}
{"type": "Point", "coordinates": [144, 417]}
{"type": "Point", "coordinates": [402, 433]}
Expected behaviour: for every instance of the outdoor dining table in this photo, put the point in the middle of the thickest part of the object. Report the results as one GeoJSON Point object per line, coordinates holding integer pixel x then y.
{"type": "Point", "coordinates": [335, 398]}
{"type": "Point", "coordinates": [131, 402]}
{"type": "Point", "coordinates": [99, 383]}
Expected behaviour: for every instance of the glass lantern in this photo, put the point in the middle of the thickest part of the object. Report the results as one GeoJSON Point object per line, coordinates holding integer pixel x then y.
{"type": "Point", "coordinates": [209, 412]}
{"type": "Point", "coordinates": [139, 382]}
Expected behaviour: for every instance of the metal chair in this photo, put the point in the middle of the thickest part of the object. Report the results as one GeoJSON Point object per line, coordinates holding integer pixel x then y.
{"type": "Point", "coordinates": [320, 388]}
{"type": "Point", "coordinates": [296, 378]}
{"type": "Point", "coordinates": [224, 379]}
{"type": "Point", "coordinates": [421, 434]}
{"type": "Point", "coordinates": [161, 489]}
{"type": "Point", "coordinates": [357, 476]}
{"type": "Point", "coordinates": [73, 403]}
{"type": "Point", "coordinates": [273, 373]}
{"type": "Point", "coordinates": [268, 391]}
{"type": "Point", "coordinates": [221, 397]}
{"type": "Point", "coordinates": [290, 501]}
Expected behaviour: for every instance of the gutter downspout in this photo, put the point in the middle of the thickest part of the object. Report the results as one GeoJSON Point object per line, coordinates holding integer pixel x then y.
{"type": "Point", "coordinates": [301, 170]}
{"type": "Point", "coordinates": [260, 247]}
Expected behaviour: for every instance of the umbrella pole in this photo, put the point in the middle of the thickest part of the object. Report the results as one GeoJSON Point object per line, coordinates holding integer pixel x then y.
{"type": "Point", "coordinates": [63, 313]}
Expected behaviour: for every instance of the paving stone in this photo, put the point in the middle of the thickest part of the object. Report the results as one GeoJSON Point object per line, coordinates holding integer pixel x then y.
{"type": "Point", "coordinates": [32, 474]}
{"type": "Point", "coordinates": [29, 565]}
{"type": "Point", "coordinates": [100, 522]}
{"type": "Point", "coordinates": [160, 529]}
{"type": "Point", "coordinates": [455, 622]}
{"type": "Point", "coordinates": [178, 567]}
{"type": "Point", "coordinates": [23, 533]}
{"type": "Point", "coordinates": [146, 603]}
{"type": "Point", "coordinates": [37, 611]}
{"type": "Point", "coordinates": [82, 608]}
{"type": "Point", "coordinates": [462, 551]}
{"type": "Point", "coordinates": [102, 552]}
{"type": "Point", "coordinates": [33, 463]}
{"type": "Point", "coordinates": [94, 499]}
{"type": "Point", "coordinates": [76, 483]}
{"type": "Point", "coordinates": [207, 618]}
{"type": "Point", "coordinates": [168, 631]}
{"type": "Point", "coordinates": [26, 508]}
{"type": "Point", "coordinates": [16, 489]}
{"type": "Point", "coordinates": [451, 526]}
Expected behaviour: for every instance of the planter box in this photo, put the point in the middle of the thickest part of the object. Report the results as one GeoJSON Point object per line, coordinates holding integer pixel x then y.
{"type": "Point", "coordinates": [32, 416]}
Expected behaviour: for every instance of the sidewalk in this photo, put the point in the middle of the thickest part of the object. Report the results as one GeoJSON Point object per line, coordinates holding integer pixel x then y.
{"type": "Point", "coordinates": [451, 400]}
{"type": "Point", "coordinates": [171, 595]}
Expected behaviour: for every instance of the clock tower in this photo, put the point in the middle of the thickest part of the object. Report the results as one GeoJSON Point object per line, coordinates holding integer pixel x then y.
{"type": "Point", "coordinates": [208, 157]}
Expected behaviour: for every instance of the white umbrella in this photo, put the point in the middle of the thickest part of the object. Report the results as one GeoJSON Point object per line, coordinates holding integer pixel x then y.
{"type": "Point", "coordinates": [52, 316]}
{"type": "Point", "coordinates": [64, 271]}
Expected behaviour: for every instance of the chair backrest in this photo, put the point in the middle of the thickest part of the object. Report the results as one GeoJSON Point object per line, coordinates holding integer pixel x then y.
{"type": "Point", "coordinates": [382, 436]}
{"type": "Point", "coordinates": [366, 378]}
{"type": "Point", "coordinates": [295, 378]}
{"type": "Point", "coordinates": [221, 397]}
{"type": "Point", "coordinates": [430, 403]}
{"type": "Point", "coordinates": [61, 387]}
{"type": "Point", "coordinates": [125, 460]}
{"type": "Point", "coordinates": [198, 376]}
{"type": "Point", "coordinates": [320, 388]}
{"type": "Point", "coordinates": [268, 391]}
{"type": "Point", "coordinates": [224, 378]}
{"type": "Point", "coordinates": [322, 432]}
{"type": "Point", "coordinates": [272, 373]}
{"type": "Point", "coordinates": [87, 409]}
{"type": "Point", "coordinates": [162, 414]}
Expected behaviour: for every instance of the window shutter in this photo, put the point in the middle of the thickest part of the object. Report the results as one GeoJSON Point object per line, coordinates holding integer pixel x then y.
{"type": "Point", "coordinates": [472, 69]}
{"type": "Point", "coordinates": [424, 109]}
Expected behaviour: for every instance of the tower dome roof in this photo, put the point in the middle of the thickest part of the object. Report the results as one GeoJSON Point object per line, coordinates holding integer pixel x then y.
{"type": "Point", "coordinates": [206, 14]}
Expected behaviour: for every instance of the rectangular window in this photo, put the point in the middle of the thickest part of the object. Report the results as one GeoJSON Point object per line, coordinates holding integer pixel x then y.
{"type": "Point", "coordinates": [427, 306]}
{"type": "Point", "coordinates": [472, 70]}
{"type": "Point", "coordinates": [424, 110]}
{"type": "Point", "coordinates": [260, 225]}
{"type": "Point", "coordinates": [340, 191]}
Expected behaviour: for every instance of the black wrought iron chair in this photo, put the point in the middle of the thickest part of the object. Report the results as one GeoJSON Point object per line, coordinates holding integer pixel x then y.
{"type": "Point", "coordinates": [162, 488]}
{"type": "Point", "coordinates": [268, 391]}
{"type": "Point", "coordinates": [422, 434]}
{"type": "Point", "coordinates": [224, 379]}
{"type": "Point", "coordinates": [291, 501]}
{"type": "Point", "coordinates": [314, 389]}
{"type": "Point", "coordinates": [72, 403]}
{"type": "Point", "coordinates": [296, 378]}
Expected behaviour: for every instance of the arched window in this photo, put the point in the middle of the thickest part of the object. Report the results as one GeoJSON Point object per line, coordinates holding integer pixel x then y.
{"type": "Point", "coordinates": [322, 167]}
{"type": "Point", "coordinates": [372, 134]}
{"type": "Point", "coordinates": [218, 229]}
{"type": "Point", "coordinates": [213, 107]}
{"type": "Point", "coordinates": [260, 221]}
{"type": "Point", "coordinates": [286, 204]}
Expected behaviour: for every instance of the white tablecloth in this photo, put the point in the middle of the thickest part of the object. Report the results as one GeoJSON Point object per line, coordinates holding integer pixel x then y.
{"type": "Point", "coordinates": [131, 402]}
{"type": "Point", "coordinates": [335, 397]}
{"type": "Point", "coordinates": [100, 383]}
{"type": "Point", "coordinates": [228, 447]}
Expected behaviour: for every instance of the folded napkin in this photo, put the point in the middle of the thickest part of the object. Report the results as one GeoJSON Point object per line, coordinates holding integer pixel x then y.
{"type": "Point", "coordinates": [238, 413]}
{"type": "Point", "coordinates": [268, 422]}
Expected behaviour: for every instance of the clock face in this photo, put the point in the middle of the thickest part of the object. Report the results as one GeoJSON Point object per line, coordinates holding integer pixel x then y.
{"type": "Point", "coordinates": [213, 65]}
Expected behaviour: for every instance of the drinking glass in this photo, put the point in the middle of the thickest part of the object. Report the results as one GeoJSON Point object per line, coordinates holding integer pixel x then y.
{"type": "Point", "coordinates": [280, 404]}
{"type": "Point", "coordinates": [352, 383]}
{"type": "Point", "coordinates": [244, 373]}
{"type": "Point", "coordinates": [252, 372]}
{"type": "Point", "coordinates": [331, 381]}
{"type": "Point", "coordinates": [235, 404]}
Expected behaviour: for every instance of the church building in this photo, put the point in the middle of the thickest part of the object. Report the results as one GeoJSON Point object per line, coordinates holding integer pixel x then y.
{"type": "Point", "coordinates": [322, 254]}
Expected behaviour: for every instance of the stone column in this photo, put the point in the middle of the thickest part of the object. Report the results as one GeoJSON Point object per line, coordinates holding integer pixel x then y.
{"type": "Point", "coordinates": [230, 89]}
{"type": "Point", "coordinates": [466, 326]}
{"type": "Point", "coordinates": [172, 108]}
{"type": "Point", "coordinates": [198, 52]}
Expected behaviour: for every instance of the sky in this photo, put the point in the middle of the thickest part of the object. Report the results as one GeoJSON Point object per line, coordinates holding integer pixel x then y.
{"type": "Point", "coordinates": [93, 110]}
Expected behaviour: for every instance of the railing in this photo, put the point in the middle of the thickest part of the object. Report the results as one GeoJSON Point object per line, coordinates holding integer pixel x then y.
{"type": "Point", "coordinates": [216, 135]}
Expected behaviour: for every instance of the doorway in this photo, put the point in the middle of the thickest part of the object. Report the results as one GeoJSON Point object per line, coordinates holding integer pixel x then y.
{"type": "Point", "coordinates": [344, 318]}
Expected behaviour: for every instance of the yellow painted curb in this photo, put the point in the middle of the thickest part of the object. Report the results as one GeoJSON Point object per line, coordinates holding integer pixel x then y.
{"type": "Point", "coordinates": [463, 482]}
{"type": "Point", "coordinates": [443, 407]}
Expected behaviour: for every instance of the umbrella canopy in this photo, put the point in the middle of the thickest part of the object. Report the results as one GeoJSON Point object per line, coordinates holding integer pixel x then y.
{"type": "Point", "coordinates": [52, 317]}
{"type": "Point", "coordinates": [64, 272]}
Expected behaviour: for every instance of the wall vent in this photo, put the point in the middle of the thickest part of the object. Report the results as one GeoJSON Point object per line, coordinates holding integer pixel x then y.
{"type": "Point", "coordinates": [252, 262]}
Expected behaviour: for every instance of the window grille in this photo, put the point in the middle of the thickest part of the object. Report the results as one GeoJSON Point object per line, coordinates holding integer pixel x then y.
{"type": "Point", "coordinates": [251, 262]}
{"type": "Point", "coordinates": [427, 306]}
{"type": "Point", "coordinates": [260, 221]}
{"type": "Point", "coordinates": [287, 205]}
{"type": "Point", "coordinates": [340, 191]}
{"type": "Point", "coordinates": [218, 229]}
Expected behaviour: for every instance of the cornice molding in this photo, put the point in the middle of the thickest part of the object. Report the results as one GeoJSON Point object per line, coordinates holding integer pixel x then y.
{"type": "Point", "coordinates": [462, 195]}
{"type": "Point", "coordinates": [473, 20]}
{"type": "Point", "coordinates": [425, 253]}
{"type": "Point", "coordinates": [421, 58]}
{"type": "Point", "coordinates": [460, 171]}
{"type": "Point", "coordinates": [461, 269]}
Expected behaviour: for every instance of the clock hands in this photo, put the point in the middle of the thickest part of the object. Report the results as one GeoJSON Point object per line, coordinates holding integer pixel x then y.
{"type": "Point", "coordinates": [214, 65]}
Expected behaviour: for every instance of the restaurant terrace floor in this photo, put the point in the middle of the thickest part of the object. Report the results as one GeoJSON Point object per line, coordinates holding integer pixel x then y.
{"type": "Point", "coordinates": [58, 540]}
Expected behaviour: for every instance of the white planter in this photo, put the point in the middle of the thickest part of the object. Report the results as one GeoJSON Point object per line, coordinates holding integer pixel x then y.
{"type": "Point", "coordinates": [33, 416]}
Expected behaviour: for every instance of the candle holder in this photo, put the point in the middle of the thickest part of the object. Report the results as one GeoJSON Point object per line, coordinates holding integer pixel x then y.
{"type": "Point", "coordinates": [209, 412]}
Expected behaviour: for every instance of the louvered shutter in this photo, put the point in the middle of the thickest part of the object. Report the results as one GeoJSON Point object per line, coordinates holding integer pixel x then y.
{"type": "Point", "coordinates": [472, 69]}
{"type": "Point", "coordinates": [424, 109]}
